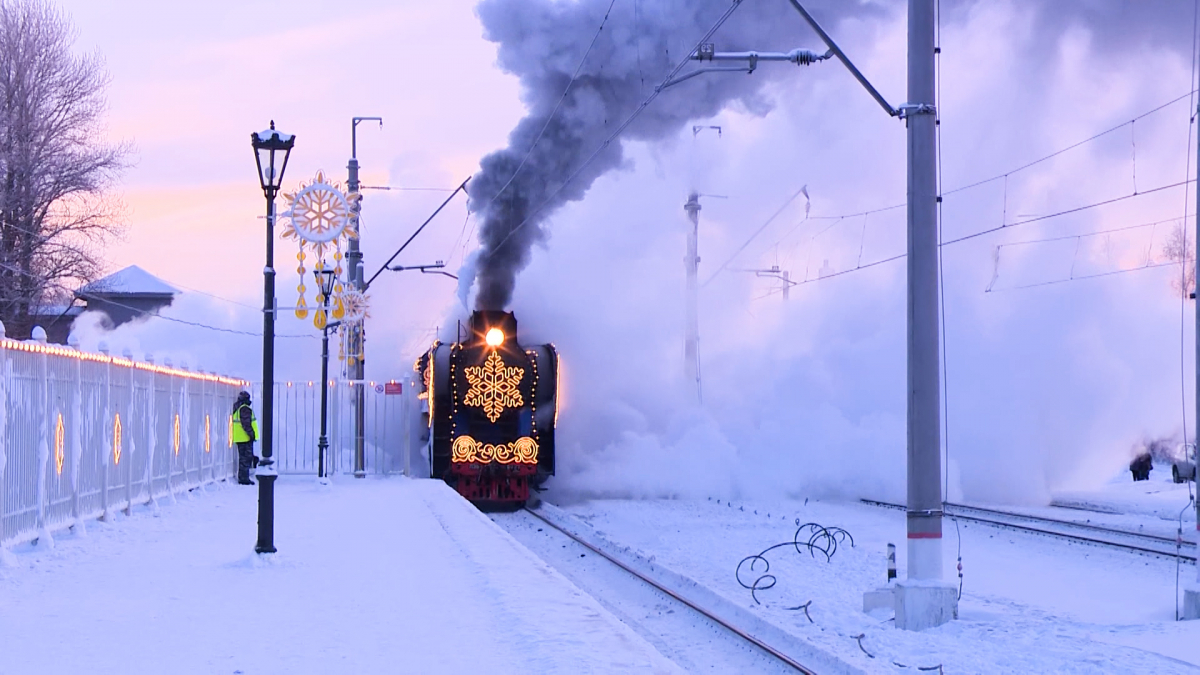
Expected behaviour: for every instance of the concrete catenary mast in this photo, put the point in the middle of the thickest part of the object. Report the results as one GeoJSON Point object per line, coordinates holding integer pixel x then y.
{"type": "Point", "coordinates": [356, 349]}
{"type": "Point", "coordinates": [923, 600]}
{"type": "Point", "coordinates": [692, 265]}
{"type": "Point", "coordinates": [1191, 596]}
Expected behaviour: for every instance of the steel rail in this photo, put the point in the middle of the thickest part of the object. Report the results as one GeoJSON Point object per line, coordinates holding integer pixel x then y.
{"type": "Point", "coordinates": [1084, 526]}
{"type": "Point", "coordinates": [733, 629]}
{"type": "Point", "coordinates": [954, 511]}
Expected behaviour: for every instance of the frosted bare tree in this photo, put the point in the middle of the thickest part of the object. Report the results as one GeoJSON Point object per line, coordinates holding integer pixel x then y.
{"type": "Point", "coordinates": [56, 169]}
{"type": "Point", "coordinates": [1181, 249]}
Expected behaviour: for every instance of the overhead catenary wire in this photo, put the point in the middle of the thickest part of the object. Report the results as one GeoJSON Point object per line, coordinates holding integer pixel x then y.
{"type": "Point", "coordinates": [462, 186]}
{"type": "Point", "coordinates": [1073, 277]}
{"type": "Point", "coordinates": [198, 324]}
{"type": "Point", "coordinates": [1067, 212]}
{"type": "Point", "coordinates": [1007, 174]}
{"type": "Point", "coordinates": [620, 129]}
{"type": "Point", "coordinates": [1078, 238]}
{"type": "Point", "coordinates": [764, 226]}
{"type": "Point", "coordinates": [1097, 233]}
{"type": "Point", "coordinates": [554, 112]}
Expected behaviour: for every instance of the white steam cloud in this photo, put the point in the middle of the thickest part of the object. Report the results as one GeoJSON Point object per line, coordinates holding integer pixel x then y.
{"type": "Point", "coordinates": [1047, 388]}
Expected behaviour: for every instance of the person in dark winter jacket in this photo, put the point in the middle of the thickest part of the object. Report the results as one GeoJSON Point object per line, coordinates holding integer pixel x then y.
{"type": "Point", "coordinates": [245, 432]}
{"type": "Point", "coordinates": [1141, 466]}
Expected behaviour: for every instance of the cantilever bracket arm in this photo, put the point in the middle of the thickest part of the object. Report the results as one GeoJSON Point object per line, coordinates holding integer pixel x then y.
{"type": "Point", "coordinates": [800, 57]}
{"type": "Point", "coordinates": [837, 51]}
{"type": "Point", "coordinates": [709, 69]}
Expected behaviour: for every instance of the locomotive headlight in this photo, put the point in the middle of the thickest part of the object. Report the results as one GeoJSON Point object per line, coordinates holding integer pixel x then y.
{"type": "Point", "coordinates": [494, 337]}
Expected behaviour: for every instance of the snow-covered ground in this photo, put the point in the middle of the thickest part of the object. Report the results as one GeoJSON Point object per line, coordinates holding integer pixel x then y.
{"type": "Point", "coordinates": [376, 576]}
{"type": "Point", "coordinates": [1030, 604]}
{"type": "Point", "coordinates": [397, 575]}
{"type": "Point", "coordinates": [1158, 497]}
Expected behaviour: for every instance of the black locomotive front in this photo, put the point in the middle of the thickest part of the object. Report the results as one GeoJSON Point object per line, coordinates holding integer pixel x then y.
{"type": "Point", "coordinates": [492, 408]}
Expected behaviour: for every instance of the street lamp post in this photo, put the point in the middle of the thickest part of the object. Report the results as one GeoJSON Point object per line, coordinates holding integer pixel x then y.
{"type": "Point", "coordinates": [326, 279]}
{"type": "Point", "coordinates": [271, 151]}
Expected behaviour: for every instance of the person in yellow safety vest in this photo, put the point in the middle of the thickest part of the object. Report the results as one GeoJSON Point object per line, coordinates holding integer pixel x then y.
{"type": "Point", "coordinates": [245, 432]}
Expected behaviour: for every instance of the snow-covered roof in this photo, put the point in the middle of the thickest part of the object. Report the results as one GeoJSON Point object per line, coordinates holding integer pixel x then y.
{"type": "Point", "coordinates": [132, 280]}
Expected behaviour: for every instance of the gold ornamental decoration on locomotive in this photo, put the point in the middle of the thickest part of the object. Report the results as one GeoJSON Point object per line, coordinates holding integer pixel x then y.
{"type": "Point", "coordinates": [494, 387]}
{"type": "Point", "coordinates": [524, 450]}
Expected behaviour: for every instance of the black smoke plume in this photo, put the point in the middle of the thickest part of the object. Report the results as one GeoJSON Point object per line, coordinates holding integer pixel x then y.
{"type": "Point", "coordinates": [542, 41]}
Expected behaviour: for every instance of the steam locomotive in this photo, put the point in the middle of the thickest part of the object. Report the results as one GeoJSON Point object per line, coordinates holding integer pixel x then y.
{"type": "Point", "coordinates": [492, 408]}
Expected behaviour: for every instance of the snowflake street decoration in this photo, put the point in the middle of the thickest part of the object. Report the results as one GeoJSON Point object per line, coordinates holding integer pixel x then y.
{"type": "Point", "coordinates": [354, 308]}
{"type": "Point", "coordinates": [320, 218]}
{"type": "Point", "coordinates": [494, 387]}
{"type": "Point", "coordinates": [354, 305]}
{"type": "Point", "coordinates": [320, 213]}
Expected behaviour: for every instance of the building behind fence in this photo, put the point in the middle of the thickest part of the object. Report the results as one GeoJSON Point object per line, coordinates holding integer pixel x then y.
{"type": "Point", "coordinates": [83, 435]}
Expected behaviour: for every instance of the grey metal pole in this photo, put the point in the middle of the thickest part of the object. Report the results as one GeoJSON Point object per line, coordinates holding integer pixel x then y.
{"type": "Point", "coordinates": [1195, 475]}
{"type": "Point", "coordinates": [355, 351]}
{"type": "Point", "coordinates": [692, 265]}
{"type": "Point", "coordinates": [1191, 596]}
{"type": "Point", "coordinates": [357, 333]}
{"type": "Point", "coordinates": [924, 437]}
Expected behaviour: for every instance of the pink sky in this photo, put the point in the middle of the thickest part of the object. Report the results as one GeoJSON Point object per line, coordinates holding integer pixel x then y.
{"type": "Point", "coordinates": [190, 81]}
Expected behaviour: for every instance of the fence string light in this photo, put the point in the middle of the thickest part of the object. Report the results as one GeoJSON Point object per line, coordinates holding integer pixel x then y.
{"type": "Point", "coordinates": [175, 435]}
{"type": "Point", "coordinates": [117, 439]}
{"type": "Point", "coordinates": [60, 440]}
{"type": "Point", "coordinates": [207, 436]}
{"type": "Point", "coordinates": [55, 350]}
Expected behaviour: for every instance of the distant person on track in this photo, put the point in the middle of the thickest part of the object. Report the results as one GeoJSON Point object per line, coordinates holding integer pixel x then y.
{"type": "Point", "coordinates": [245, 432]}
{"type": "Point", "coordinates": [1141, 466]}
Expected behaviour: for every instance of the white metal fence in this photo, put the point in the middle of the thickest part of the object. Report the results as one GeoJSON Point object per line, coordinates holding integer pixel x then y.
{"type": "Point", "coordinates": [83, 434]}
{"type": "Point", "coordinates": [387, 428]}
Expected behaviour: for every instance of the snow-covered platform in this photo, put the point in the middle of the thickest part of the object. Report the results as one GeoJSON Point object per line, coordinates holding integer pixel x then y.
{"type": "Point", "coordinates": [395, 575]}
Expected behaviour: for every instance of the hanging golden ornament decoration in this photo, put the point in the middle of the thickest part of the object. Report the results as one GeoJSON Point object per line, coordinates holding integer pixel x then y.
{"type": "Point", "coordinates": [320, 218]}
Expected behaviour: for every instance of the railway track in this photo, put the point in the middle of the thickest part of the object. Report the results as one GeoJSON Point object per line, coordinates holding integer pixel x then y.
{"type": "Point", "coordinates": [694, 607]}
{"type": "Point", "coordinates": [1085, 533]}
{"type": "Point", "coordinates": [678, 597]}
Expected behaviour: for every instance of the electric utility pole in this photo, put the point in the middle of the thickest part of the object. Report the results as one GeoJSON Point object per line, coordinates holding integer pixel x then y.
{"type": "Point", "coordinates": [692, 265]}
{"type": "Point", "coordinates": [923, 599]}
{"type": "Point", "coordinates": [1191, 596]}
{"type": "Point", "coordinates": [356, 349]}
{"type": "Point", "coordinates": [924, 390]}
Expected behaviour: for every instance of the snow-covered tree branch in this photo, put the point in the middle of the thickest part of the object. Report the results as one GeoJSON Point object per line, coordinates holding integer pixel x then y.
{"type": "Point", "coordinates": [56, 169]}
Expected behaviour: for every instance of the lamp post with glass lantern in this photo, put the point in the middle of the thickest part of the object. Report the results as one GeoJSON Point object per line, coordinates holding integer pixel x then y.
{"type": "Point", "coordinates": [326, 280]}
{"type": "Point", "coordinates": [271, 151]}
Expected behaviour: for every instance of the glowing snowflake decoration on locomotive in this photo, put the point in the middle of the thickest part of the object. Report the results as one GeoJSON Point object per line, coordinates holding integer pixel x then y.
{"type": "Point", "coordinates": [492, 406]}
